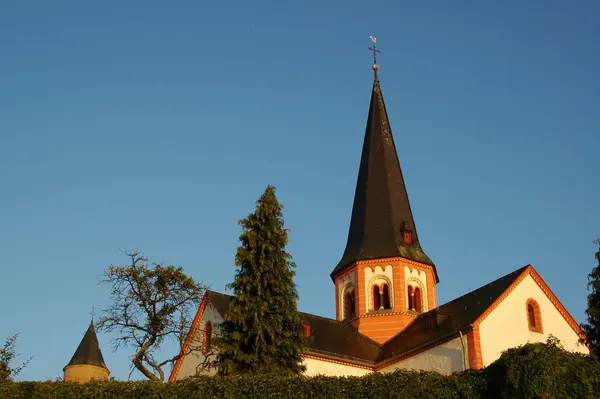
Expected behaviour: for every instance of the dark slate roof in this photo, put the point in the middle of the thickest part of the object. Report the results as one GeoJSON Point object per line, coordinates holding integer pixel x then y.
{"type": "Point", "coordinates": [448, 318]}
{"type": "Point", "coordinates": [381, 210]}
{"type": "Point", "coordinates": [219, 301]}
{"type": "Point", "coordinates": [329, 337]}
{"type": "Point", "coordinates": [88, 352]}
{"type": "Point", "coordinates": [341, 340]}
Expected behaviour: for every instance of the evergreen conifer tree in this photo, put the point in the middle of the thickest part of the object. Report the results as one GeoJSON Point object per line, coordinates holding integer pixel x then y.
{"type": "Point", "coordinates": [263, 331]}
{"type": "Point", "coordinates": [592, 328]}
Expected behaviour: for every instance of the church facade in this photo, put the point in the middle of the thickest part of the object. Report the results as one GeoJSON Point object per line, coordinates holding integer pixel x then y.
{"type": "Point", "coordinates": [387, 315]}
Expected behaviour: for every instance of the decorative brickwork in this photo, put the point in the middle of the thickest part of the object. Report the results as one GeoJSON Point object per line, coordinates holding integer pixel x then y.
{"type": "Point", "coordinates": [555, 301]}
{"type": "Point", "coordinates": [534, 316]}
{"type": "Point", "coordinates": [382, 324]}
{"type": "Point", "coordinates": [190, 337]}
{"type": "Point", "coordinates": [474, 348]}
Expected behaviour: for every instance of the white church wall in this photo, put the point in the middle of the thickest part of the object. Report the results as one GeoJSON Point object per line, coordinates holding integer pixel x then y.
{"type": "Point", "coordinates": [446, 359]}
{"type": "Point", "coordinates": [320, 367]}
{"type": "Point", "coordinates": [191, 361]}
{"type": "Point", "coordinates": [507, 326]}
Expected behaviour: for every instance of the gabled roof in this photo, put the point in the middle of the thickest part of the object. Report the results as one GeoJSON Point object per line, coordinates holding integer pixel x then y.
{"type": "Point", "coordinates": [329, 336]}
{"type": "Point", "coordinates": [340, 340]}
{"type": "Point", "coordinates": [88, 352]}
{"type": "Point", "coordinates": [219, 301]}
{"type": "Point", "coordinates": [381, 211]}
{"type": "Point", "coordinates": [449, 318]}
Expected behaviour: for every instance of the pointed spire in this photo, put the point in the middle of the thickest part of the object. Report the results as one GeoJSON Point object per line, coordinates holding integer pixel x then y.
{"type": "Point", "coordinates": [88, 352]}
{"type": "Point", "coordinates": [382, 223]}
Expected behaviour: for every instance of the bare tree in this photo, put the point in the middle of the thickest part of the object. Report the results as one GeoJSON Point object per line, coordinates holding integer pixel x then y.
{"type": "Point", "coordinates": [149, 304]}
{"type": "Point", "coordinates": [7, 355]}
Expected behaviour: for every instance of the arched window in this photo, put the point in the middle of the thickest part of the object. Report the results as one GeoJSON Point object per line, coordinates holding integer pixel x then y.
{"type": "Point", "coordinates": [417, 301]}
{"type": "Point", "coordinates": [206, 337]}
{"type": "Point", "coordinates": [534, 316]}
{"type": "Point", "coordinates": [349, 305]}
{"type": "Point", "coordinates": [411, 300]}
{"type": "Point", "coordinates": [385, 297]}
{"type": "Point", "coordinates": [380, 294]}
{"type": "Point", "coordinates": [415, 297]}
{"type": "Point", "coordinates": [531, 316]}
{"type": "Point", "coordinates": [376, 298]}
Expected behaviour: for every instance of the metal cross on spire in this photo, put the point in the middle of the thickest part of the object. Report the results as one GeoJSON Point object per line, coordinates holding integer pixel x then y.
{"type": "Point", "coordinates": [375, 51]}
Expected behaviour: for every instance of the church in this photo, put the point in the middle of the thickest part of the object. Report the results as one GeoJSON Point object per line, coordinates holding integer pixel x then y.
{"type": "Point", "coordinates": [387, 315]}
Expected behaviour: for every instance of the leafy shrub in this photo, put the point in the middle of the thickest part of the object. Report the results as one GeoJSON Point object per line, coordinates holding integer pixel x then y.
{"type": "Point", "coordinates": [543, 371]}
{"type": "Point", "coordinates": [529, 371]}
{"type": "Point", "coordinates": [400, 384]}
{"type": "Point", "coordinates": [7, 357]}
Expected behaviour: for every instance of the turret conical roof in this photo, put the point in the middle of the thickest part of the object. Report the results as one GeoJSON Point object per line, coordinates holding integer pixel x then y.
{"type": "Point", "coordinates": [88, 352]}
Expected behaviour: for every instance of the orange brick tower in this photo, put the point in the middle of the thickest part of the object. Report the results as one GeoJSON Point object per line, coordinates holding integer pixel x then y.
{"type": "Point", "coordinates": [384, 279]}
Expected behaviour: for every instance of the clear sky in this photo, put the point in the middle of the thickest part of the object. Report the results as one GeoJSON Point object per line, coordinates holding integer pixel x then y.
{"type": "Point", "coordinates": [157, 125]}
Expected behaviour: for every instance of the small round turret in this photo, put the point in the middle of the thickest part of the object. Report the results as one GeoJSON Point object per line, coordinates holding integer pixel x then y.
{"type": "Point", "coordinates": [87, 363]}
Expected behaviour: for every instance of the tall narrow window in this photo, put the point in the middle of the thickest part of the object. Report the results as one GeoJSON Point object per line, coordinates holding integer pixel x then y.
{"type": "Point", "coordinates": [411, 302]}
{"type": "Point", "coordinates": [417, 301]}
{"type": "Point", "coordinates": [385, 298]}
{"type": "Point", "coordinates": [306, 329]}
{"type": "Point", "coordinates": [376, 298]}
{"type": "Point", "coordinates": [531, 316]}
{"type": "Point", "coordinates": [534, 316]}
{"type": "Point", "coordinates": [408, 237]}
{"type": "Point", "coordinates": [349, 308]}
{"type": "Point", "coordinates": [206, 337]}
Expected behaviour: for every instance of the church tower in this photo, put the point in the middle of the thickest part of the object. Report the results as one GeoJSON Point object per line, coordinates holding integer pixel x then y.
{"type": "Point", "coordinates": [384, 279]}
{"type": "Point", "coordinates": [87, 363]}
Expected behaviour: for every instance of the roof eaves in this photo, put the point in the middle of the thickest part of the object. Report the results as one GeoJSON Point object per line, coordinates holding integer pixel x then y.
{"type": "Point", "coordinates": [391, 358]}
{"type": "Point", "coordinates": [339, 357]}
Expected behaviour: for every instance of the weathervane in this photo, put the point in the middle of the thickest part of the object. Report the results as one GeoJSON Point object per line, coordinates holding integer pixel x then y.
{"type": "Point", "coordinates": [375, 51]}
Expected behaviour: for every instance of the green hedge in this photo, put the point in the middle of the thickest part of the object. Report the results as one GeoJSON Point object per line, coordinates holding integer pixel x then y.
{"type": "Point", "coordinates": [543, 371]}
{"type": "Point", "coordinates": [530, 371]}
{"type": "Point", "coordinates": [400, 384]}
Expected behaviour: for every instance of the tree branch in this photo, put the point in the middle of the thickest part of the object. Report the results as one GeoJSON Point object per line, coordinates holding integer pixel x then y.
{"type": "Point", "coordinates": [149, 304]}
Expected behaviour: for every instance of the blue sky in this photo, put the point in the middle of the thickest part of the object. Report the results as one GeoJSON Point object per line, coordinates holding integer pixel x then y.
{"type": "Point", "coordinates": [157, 125]}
